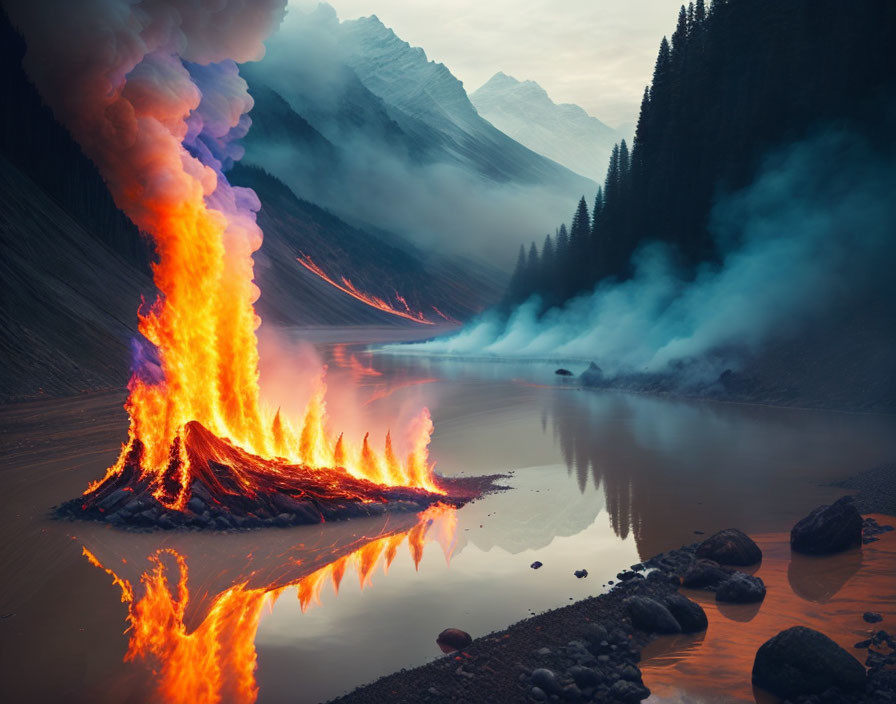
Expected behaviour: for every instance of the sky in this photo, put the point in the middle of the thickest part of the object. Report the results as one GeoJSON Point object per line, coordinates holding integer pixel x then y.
{"type": "Point", "coordinates": [598, 54]}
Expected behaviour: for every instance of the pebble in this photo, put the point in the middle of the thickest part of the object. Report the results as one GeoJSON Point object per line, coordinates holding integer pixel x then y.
{"type": "Point", "coordinates": [546, 680]}
{"type": "Point", "coordinates": [872, 617]}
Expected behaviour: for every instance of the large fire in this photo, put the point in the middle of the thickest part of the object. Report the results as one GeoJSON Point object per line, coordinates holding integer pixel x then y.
{"type": "Point", "coordinates": [201, 646]}
{"type": "Point", "coordinates": [153, 94]}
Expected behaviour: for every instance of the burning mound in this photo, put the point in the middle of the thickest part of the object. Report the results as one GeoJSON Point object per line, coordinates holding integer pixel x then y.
{"type": "Point", "coordinates": [211, 483]}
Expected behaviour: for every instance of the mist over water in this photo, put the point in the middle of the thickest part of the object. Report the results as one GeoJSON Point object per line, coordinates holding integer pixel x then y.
{"type": "Point", "coordinates": [805, 244]}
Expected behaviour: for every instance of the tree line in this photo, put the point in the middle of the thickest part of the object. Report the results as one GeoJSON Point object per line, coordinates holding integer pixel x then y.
{"type": "Point", "coordinates": [737, 79]}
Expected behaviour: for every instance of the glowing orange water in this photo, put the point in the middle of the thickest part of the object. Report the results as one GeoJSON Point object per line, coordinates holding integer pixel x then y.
{"type": "Point", "coordinates": [828, 594]}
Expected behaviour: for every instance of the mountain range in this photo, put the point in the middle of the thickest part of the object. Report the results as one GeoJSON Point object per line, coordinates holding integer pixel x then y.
{"type": "Point", "coordinates": [381, 136]}
{"type": "Point", "coordinates": [565, 132]}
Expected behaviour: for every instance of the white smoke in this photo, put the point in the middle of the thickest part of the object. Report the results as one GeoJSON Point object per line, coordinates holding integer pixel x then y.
{"type": "Point", "coordinates": [810, 237]}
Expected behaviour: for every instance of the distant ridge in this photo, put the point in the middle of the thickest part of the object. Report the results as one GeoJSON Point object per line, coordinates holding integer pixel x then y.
{"type": "Point", "coordinates": [562, 132]}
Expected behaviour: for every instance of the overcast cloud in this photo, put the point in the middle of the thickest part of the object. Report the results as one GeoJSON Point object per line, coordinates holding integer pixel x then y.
{"type": "Point", "coordinates": [596, 53]}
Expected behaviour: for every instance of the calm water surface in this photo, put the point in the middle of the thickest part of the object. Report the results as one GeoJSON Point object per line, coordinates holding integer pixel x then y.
{"type": "Point", "coordinates": [598, 481]}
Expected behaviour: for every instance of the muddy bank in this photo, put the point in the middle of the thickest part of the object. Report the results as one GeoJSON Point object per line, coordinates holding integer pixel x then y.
{"type": "Point", "coordinates": [593, 651]}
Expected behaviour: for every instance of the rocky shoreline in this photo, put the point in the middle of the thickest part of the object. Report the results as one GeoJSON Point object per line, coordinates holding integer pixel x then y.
{"type": "Point", "coordinates": [589, 651]}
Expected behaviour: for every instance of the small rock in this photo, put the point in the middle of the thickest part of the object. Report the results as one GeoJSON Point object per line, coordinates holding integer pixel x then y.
{"type": "Point", "coordinates": [196, 505]}
{"type": "Point", "coordinates": [801, 661]}
{"type": "Point", "coordinates": [629, 692]}
{"type": "Point", "coordinates": [584, 676]}
{"type": "Point", "coordinates": [626, 576]}
{"type": "Point", "coordinates": [630, 673]}
{"type": "Point", "coordinates": [828, 529]}
{"type": "Point", "coordinates": [543, 652]}
{"type": "Point", "coordinates": [581, 573]}
{"type": "Point", "coordinates": [454, 638]}
{"type": "Point", "coordinates": [572, 692]}
{"type": "Point", "coordinates": [546, 679]}
{"type": "Point", "coordinates": [535, 565]}
{"type": "Point", "coordinates": [872, 617]}
{"type": "Point", "coordinates": [563, 372]}
{"type": "Point", "coordinates": [704, 574]}
{"type": "Point", "coordinates": [730, 547]}
{"type": "Point", "coordinates": [433, 691]}
{"type": "Point", "coordinates": [650, 615]}
{"type": "Point", "coordinates": [741, 588]}
{"type": "Point", "coordinates": [689, 614]}
{"type": "Point", "coordinates": [538, 694]}
{"type": "Point", "coordinates": [595, 633]}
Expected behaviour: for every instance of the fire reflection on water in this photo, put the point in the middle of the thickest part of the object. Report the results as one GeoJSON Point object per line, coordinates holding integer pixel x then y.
{"type": "Point", "coordinates": [828, 594]}
{"type": "Point", "coordinates": [200, 646]}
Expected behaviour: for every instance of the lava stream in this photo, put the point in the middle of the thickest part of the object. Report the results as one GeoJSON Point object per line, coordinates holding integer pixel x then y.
{"type": "Point", "coordinates": [405, 311]}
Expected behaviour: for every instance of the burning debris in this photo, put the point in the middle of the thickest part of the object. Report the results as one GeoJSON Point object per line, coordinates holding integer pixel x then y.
{"type": "Point", "coordinates": [211, 483]}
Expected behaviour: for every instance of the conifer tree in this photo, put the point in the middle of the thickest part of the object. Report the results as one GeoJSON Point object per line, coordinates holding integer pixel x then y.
{"type": "Point", "coordinates": [515, 287]}
{"type": "Point", "coordinates": [547, 272]}
{"type": "Point", "coordinates": [680, 38]}
{"type": "Point", "coordinates": [532, 271]}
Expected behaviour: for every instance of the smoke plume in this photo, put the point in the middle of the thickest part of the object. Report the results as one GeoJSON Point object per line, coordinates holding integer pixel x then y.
{"type": "Point", "coordinates": [806, 244]}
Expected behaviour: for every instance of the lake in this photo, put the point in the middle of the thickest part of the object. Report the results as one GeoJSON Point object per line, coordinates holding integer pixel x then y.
{"type": "Point", "coordinates": [596, 480]}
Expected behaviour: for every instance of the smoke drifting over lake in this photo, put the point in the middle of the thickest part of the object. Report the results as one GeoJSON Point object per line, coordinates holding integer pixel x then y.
{"type": "Point", "coordinates": [809, 241]}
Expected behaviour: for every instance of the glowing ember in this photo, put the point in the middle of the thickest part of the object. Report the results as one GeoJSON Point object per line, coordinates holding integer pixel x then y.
{"type": "Point", "coordinates": [216, 660]}
{"type": "Point", "coordinates": [154, 96]}
{"type": "Point", "coordinates": [399, 308]}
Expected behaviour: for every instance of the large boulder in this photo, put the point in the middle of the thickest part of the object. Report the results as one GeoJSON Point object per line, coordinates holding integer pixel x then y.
{"type": "Point", "coordinates": [741, 588]}
{"type": "Point", "coordinates": [730, 547]}
{"type": "Point", "coordinates": [800, 661]}
{"type": "Point", "coordinates": [689, 614]}
{"type": "Point", "coordinates": [828, 529]}
{"type": "Point", "coordinates": [651, 616]}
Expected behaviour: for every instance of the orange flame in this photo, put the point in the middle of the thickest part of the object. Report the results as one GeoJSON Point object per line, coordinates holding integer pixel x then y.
{"type": "Point", "coordinates": [203, 323]}
{"type": "Point", "coordinates": [405, 311]}
{"type": "Point", "coordinates": [217, 660]}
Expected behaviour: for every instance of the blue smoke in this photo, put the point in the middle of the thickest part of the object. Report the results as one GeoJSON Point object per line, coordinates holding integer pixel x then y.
{"type": "Point", "coordinates": [814, 234]}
